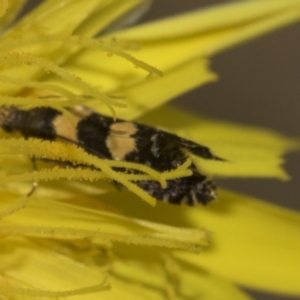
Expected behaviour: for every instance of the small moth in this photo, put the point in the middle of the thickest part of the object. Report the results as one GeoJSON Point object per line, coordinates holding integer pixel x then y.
{"type": "Point", "coordinates": [107, 138]}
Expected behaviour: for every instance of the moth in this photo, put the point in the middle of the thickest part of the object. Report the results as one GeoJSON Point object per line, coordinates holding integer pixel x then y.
{"type": "Point", "coordinates": [107, 138]}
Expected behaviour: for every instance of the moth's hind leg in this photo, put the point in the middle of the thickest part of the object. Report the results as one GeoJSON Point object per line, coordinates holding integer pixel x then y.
{"type": "Point", "coordinates": [35, 183]}
{"type": "Point", "coordinates": [34, 186]}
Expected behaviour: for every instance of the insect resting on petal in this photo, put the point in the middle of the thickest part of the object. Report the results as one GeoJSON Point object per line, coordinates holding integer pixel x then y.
{"type": "Point", "coordinates": [107, 138]}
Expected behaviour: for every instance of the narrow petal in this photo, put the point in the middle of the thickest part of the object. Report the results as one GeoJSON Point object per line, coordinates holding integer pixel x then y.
{"type": "Point", "coordinates": [165, 274]}
{"type": "Point", "coordinates": [171, 45]}
{"type": "Point", "coordinates": [47, 270]}
{"type": "Point", "coordinates": [153, 92]}
{"type": "Point", "coordinates": [255, 244]}
{"type": "Point", "coordinates": [208, 31]}
{"type": "Point", "coordinates": [53, 219]}
{"type": "Point", "coordinates": [74, 16]}
{"type": "Point", "coordinates": [56, 22]}
{"type": "Point", "coordinates": [89, 271]}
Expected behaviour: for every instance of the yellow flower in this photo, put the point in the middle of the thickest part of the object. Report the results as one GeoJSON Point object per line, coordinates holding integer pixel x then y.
{"type": "Point", "coordinates": [89, 240]}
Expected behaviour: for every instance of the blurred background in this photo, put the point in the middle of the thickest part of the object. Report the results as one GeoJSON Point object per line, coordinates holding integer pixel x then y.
{"type": "Point", "coordinates": [259, 85]}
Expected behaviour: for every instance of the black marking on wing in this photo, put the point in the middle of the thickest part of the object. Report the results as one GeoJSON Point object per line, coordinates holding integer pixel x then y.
{"type": "Point", "coordinates": [92, 134]}
{"type": "Point", "coordinates": [36, 122]}
{"type": "Point", "coordinates": [187, 190]}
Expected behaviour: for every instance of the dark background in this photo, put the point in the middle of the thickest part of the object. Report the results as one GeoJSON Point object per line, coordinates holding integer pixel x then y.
{"type": "Point", "coordinates": [259, 85]}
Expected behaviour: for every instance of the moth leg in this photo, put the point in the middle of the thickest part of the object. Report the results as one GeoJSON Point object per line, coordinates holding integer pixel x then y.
{"type": "Point", "coordinates": [35, 183]}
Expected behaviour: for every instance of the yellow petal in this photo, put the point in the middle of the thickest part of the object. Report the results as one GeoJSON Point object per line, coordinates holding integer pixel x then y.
{"type": "Point", "coordinates": [56, 22]}
{"type": "Point", "coordinates": [52, 269]}
{"type": "Point", "coordinates": [207, 31]}
{"type": "Point", "coordinates": [160, 271]}
{"type": "Point", "coordinates": [73, 16]}
{"type": "Point", "coordinates": [45, 269]}
{"type": "Point", "coordinates": [53, 219]}
{"type": "Point", "coordinates": [173, 45]}
{"type": "Point", "coordinates": [249, 151]}
{"type": "Point", "coordinates": [255, 244]}
{"type": "Point", "coordinates": [151, 93]}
